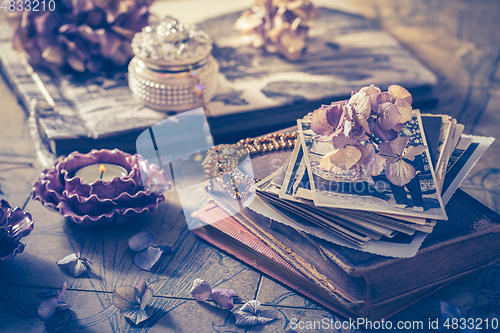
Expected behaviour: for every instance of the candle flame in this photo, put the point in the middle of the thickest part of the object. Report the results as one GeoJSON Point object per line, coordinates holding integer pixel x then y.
{"type": "Point", "coordinates": [102, 168]}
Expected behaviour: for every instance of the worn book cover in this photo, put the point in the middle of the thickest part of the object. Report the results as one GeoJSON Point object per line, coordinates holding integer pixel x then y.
{"type": "Point", "coordinates": [355, 283]}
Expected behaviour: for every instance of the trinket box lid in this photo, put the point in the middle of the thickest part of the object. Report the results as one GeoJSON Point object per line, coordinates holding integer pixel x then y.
{"type": "Point", "coordinates": [170, 43]}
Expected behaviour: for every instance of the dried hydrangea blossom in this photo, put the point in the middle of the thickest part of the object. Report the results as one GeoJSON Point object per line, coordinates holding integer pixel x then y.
{"type": "Point", "coordinates": [280, 26]}
{"type": "Point", "coordinates": [49, 306]}
{"type": "Point", "coordinates": [397, 169]}
{"type": "Point", "coordinates": [132, 301]}
{"type": "Point", "coordinates": [149, 253]}
{"type": "Point", "coordinates": [14, 225]}
{"type": "Point", "coordinates": [75, 264]}
{"type": "Point", "coordinates": [85, 36]}
{"type": "Point", "coordinates": [202, 291]}
{"type": "Point", "coordinates": [249, 314]}
{"type": "Point", "coordinates": [360, 126]}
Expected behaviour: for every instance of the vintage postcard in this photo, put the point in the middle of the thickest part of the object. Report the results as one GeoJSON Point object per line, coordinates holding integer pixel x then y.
{"type": "Point", "coordinates": [294, 189]}
{"type": "Point", "coordinates": [377, 196]}
{"type": "Point", "coordinates": [457, 173]}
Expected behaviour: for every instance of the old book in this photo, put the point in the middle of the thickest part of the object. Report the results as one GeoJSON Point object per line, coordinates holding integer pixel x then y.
{"type": "Point", "coordinates": [100, 112]}
{"type": "Point", "coordinates": [355, 283]}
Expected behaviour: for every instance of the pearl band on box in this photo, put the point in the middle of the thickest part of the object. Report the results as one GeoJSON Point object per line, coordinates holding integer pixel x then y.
{"type": "Point", "coordinates": [173, 69]}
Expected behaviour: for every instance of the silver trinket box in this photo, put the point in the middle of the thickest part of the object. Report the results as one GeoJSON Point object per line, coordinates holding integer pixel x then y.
{"type": "Point", "coordinates": [173, 69]}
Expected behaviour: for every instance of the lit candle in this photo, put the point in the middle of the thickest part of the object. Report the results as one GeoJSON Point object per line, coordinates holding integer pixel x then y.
{"type": "Point", "coordinates": [105, 171]}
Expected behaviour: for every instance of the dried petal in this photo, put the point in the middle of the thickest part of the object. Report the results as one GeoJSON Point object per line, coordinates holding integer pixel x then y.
{"type": "Point", "coordinates": [400, 92]}
{"type": "Point", "coordinates": [266, 316]}
{"type": "Point", "coordinates": [398, 145]}
{"type": "Point", "coordinates": [137, 315]}
{"type": "Point", "coordinates": [146, 298]}
{"type": "Point", "coordinates": [146, 259]}
{"type": "Point", "coordinates": [361, 104]}
{"type": "Point", "coordinates": [383, 135]}
{"type": "Point", "coordinates": [325, 163]}
{"type": "Point", "coordinates": [77, 268]}
{"type": "Point", "coordinates": [132, 301]}
{"type": "Point", "coordinates": [388, 116]}
{"type": "Point", "coordinates": [141, 287]}
{"type": "Point", "coordinates": [319, 122]}
{"type": "Point", "coordinates": [405, 109]}
{"type": "Point", "coordinates": [126, 298]}
{"type": "Point", "coordinates": [201, 290]}
{"type": "Point", "coordinates": [249, 314]}
{"type": "Point", "coordinates": [372, 89]}
{"type": "Point", "coordinates": [345, 158]}
{"type": "Point", "coordinates": [340, 141]}
{"type": "Point", "coordinates": [75, 264]}
{"type": "Point", "coordinates": [400, 173]}
{"type": "Point", "coordinates": [69, 258]}
{"type": "Point", "coordinates": [372, 162]}
{"type": "Point", "coordinates": [413, 151]}
{"type": "Point", "coordinates": [141, 241]}
{"type": "Point", "coordinates": [223, 297]}
{"type": "Point", "coordinates": [48, 307]}
{"type": "Point", "coordinates": [53, 55]}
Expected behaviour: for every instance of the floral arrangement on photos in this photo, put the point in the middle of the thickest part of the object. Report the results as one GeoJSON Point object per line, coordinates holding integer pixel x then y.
{"type": "Point", "coordinates": [364, 133]}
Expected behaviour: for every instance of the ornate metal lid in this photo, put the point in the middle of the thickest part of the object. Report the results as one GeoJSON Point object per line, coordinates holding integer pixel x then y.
{"type": "Point", "coordinates": [170, 43]}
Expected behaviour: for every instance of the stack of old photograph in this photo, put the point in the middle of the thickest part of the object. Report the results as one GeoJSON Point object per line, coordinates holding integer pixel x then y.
{"type": "Point", "coordinates": [380, 191]}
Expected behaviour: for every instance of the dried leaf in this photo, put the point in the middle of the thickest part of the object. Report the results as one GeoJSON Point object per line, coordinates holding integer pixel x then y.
{"type": "Point", "coordinates": [249, 314]}
{"type": "Point", "coordinates": [141, 241]}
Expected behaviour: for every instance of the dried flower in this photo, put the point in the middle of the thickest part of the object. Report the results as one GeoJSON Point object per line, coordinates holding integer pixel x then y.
{"type": "Point", "coordinates": [49, 306]}
{"type": "Point", "coordinates": [336, 123]}
{"type": "Point", "coordinates": [391, 109]}
{"type": "Point", "coordinates": [249, 314]}
{"type": "Point", "coordinates": [397, 169]}
{"type": "Point", "coordinates": [75, 264]}
{"type": "Point", "coordinates": [278, 25]}
{"type": "Point", "coordinates": [87, 35]}
{"type": "Point", "coordinates": [132, 301]}
{"type": "Point", "coordinates": [356, 159]}
{"type": "Point", "coordinates": [14, 225]}
{"type": "Point", "coordinates": [149, 254]}
{"type": "Point", "coordinates": [202, 291]}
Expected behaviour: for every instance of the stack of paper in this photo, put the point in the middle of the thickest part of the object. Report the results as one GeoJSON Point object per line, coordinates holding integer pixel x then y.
{"type": "Point", "coordinates": [370, 213]}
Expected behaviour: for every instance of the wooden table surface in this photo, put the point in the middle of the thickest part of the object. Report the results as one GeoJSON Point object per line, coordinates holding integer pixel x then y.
{"type": "Point", "coordinates": [457, 39]}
